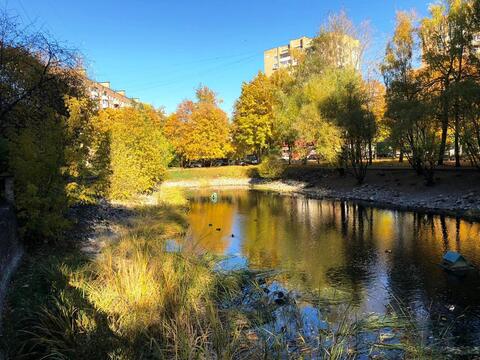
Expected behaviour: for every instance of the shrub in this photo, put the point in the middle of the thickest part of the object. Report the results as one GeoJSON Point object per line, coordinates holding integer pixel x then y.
{"type": "Point", "coordinates": [272, 167]}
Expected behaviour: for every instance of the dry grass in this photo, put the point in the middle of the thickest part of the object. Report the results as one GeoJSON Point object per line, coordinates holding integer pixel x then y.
{"type": "Point", "coordinates": [137, 300]}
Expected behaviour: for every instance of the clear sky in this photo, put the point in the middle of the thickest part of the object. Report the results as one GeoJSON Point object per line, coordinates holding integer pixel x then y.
{"type": "Point", "coordinates": [160, 50]}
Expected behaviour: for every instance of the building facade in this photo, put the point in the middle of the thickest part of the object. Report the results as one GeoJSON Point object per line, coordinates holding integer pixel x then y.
{"type": "Point", "coordinates": [341, 49]}
{"type": "Point", "coordinates": [106, 97]}
{"type": "Point", "coordinates": [282, 56]}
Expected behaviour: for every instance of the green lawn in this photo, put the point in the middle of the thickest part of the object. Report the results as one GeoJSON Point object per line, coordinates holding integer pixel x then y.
{"type": "Point", "coordinates": [235, 172]}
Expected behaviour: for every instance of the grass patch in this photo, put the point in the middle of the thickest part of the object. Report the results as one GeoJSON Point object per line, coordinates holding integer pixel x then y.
{"type": "Point", "coordinates": [172, 196]}
{"type": "Point", "coordinates": [230, 172]}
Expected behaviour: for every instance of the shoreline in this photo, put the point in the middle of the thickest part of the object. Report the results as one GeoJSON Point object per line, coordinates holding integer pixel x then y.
{"type": "Point", "coordinates": [465, 206]}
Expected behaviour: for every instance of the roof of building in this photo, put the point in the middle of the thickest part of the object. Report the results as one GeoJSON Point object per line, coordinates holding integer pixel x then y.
{"type": "Point", "coordinates": [286, 45]}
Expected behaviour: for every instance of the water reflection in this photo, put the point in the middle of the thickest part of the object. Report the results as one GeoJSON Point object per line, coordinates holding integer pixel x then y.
{"type": "Point", "coordinates": [379, 257]}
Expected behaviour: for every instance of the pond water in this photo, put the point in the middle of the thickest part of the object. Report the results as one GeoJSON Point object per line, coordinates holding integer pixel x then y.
{"type": "Point", "coordinates": [379, 258]}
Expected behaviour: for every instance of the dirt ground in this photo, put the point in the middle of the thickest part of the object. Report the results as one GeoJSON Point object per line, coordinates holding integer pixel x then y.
{"type": "Point", "coordinates": [456, 191]}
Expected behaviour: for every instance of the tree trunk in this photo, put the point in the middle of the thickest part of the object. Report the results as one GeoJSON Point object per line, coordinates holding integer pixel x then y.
{"type": "Point", "coordinates": [400, 157]}
{"type": "Point", "coordinates": [457, 135]}
{"type": "Point", "coordinates": [444, 132]}
{"type": "Point", "coordinates": [370, 153]}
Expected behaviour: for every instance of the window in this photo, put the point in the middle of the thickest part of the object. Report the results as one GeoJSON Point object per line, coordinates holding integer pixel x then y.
{"type": "Point", "coordinates": [105, 104]}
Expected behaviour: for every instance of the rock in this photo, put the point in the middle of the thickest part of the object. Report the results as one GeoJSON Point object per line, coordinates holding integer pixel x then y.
{"type": "Point", "coordinates": [311, 322]}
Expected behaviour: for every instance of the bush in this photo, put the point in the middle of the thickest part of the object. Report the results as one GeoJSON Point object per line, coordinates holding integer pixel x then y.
{"type": "Point", "coordinates": [272, 167]}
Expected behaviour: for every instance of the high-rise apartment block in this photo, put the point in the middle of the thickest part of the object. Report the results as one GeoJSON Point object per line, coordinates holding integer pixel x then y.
{"type": "Point", "coordinates": [282, 56]}
{"type": "Point", "coordinates": [342, 50]}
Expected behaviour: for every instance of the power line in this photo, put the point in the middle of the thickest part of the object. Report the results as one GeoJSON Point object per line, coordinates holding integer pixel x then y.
{"type": "Point", "coordinates": [182, 71]}
{"type": "Point", "coordinates": [191, 75]}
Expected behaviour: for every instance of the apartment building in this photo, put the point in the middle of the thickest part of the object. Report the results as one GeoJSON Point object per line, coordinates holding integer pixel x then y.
{"type": "Point", "coordinates": [476, 43]}
{"type": "Point", "coordinates": [343, 51]}
{"type": "Point", "coordinates": [107, 97]}
{"type": "Point", "coordinates": [283, 56]}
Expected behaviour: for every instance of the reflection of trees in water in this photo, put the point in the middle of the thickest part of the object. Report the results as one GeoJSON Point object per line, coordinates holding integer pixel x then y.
{"type": "Point", "coordinates": [337, 244]}
{"type": "Point", "coordinates": [203, 212]}
{"type": "Point", "coordinates": [359, 252]}
{"type": "Point", "coordinates": [418, 281]}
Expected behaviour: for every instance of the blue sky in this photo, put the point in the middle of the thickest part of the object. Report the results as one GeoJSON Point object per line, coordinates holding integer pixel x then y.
{"type": "Point", "coordinates": [159, 51]}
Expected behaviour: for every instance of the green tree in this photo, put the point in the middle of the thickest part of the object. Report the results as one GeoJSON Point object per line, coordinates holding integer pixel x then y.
{"type": "Point", "coordinates": [253, 117]}
{"type": "Point", "coordinates": [284, 110]}
{"type": "Point", "coordinates": [347, 106]}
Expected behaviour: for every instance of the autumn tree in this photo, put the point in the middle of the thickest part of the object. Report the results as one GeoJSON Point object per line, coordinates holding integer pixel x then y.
{"type": "Point", "coordinates": [339, 44]}
{"type": "Point", "coordinates": [375, 94]}
{"type": "Point", "coordinates": [139, 151]}
{"type": "Point", "coordinates": [253, 117]}
{"type": "Point", "coordinates": [469, 105]}
{"type": "Point", "coordinates": [446, 38]}
{"type": "Point", "coordinates": [33, 67]}
{"type": "Point", "coordinates": [37, 74]}
{"type": "Point", "coordinates": [87, 153]}
{"type": "Point", "coordinates": [284, 110]}
{"type": "Point", "coordinates": [409, 107]}
{"type": "Point", "coordinates": [200, 130]}
{"type": "Point", "coordinates": [347, 107]}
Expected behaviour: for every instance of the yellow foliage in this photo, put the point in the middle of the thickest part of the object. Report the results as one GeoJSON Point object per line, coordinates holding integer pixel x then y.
{"type": "Point", "coordinates": [139, 152]}
{"type": "Point", "coordinates": [200, 130]}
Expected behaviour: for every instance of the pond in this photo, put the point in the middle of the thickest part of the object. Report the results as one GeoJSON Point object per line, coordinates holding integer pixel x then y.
{"type": "Point", "coordinates": [378, 258]}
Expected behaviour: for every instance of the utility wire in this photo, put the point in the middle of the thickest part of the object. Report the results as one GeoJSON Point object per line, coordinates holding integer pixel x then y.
{"type": "Point", "coordinates": [181, 73]}
{"type": "Point", "coordinates": [190, 76]}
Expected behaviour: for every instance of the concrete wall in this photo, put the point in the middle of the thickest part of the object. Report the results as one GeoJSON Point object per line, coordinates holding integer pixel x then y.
{"type": "Point", "coordinates": [10, 251]}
